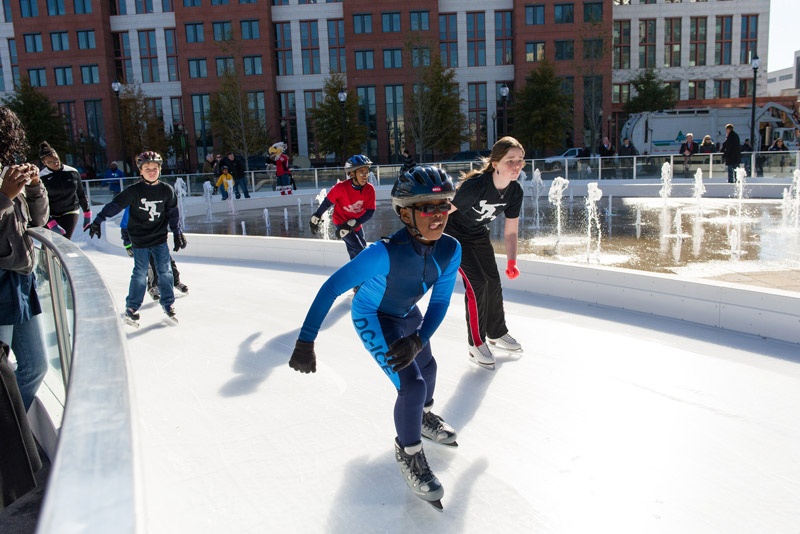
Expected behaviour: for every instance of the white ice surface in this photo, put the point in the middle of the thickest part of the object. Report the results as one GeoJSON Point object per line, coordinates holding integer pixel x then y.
{"type": "Point", "coordinates": [611, 421]}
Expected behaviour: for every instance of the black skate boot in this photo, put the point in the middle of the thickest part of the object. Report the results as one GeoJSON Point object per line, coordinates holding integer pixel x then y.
{"type": "Point", "coordinates": [131, 317]}
{"type": "Point", "coordinates": [180, 286]}
{"type": "Point", "coordinates": [171, 315]}
{"type": "Point", "coordinates": [155, 294]}
{"type": "Point", "coordinates": [418, 476]}
{"type": "Point", "coordinates": [435, 429]}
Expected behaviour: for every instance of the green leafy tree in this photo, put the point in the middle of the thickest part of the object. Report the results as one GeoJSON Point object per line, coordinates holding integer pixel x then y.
{"type": "Point", "coordinates": [335, 125]}
{"type": "Point", "coordinates": [40, 118]}
{"type": "Point", "coordinates": [434, 120]}
{"type": "Point", "coordinates": [651, 94]}
{"type": "Point", "coordinates": [236, 123]}
{"type": "Point", "coordinates": [141, 128]}
{"type": "Point", "coordinates": [541, 109]}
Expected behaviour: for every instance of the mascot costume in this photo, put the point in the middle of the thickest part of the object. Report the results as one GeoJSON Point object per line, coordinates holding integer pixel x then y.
{"type": "Point", "coordinates": [283, 177]}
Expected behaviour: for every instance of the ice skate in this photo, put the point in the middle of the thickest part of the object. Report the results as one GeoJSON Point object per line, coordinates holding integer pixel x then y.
{"type": "Point", "coordinates": [155, 294]}
{"type": "Point", "coordinates": [131, 317]}
{"type": "Point", "coordinates": [171, 315]}
{"type": "Point", "coordinates": [435, 429]}
{"type": "Point", "coordinates": [414, 468]}
{"type": "Point", "coordinates": [482, 356]}
{"type": "Point", "coordinates": [180, 286]}
{"type": "Point", "coordinates": [506, 342]}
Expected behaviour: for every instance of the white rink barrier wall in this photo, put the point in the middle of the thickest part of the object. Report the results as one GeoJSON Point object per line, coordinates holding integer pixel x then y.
{"type": "Point", "coordinates": [762, 312]}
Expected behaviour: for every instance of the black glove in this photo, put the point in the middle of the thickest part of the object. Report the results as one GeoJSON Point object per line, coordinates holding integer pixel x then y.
{"type": "Point", "coordinates": [94, 229]}
{"type": "Point", "coordinates": [314, 224]}
{"type": "Point", "coordinates": [129, 250]}
{"type": "Point", "coordinates": [403, 351]}
{"type": "Point", "coordinates": [303, 357]}
{"type": "Point", "coordinates": [179, 240]}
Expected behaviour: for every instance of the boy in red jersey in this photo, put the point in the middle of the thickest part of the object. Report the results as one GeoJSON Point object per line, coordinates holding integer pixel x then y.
{"type": "Point", "coordinates": [353, 202]}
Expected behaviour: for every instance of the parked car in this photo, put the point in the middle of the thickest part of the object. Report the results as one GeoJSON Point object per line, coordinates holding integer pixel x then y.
{"type": "Point", "coordinates": [557, 163]}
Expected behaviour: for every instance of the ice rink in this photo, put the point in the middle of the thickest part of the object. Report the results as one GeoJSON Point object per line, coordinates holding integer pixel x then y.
{"type": "Point", "coordinates": [611, 421]}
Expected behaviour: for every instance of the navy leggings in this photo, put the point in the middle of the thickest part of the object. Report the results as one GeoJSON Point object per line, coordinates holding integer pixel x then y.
{"type": "Point", "coordinates": [415, 384]}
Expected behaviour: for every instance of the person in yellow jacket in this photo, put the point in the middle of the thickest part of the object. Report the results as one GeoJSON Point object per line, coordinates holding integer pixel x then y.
{"type": "Point", "coordinates": [222, 182]}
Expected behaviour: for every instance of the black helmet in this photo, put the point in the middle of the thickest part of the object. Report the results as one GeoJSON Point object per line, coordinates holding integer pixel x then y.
{"type": "Point", "coordinates": [356, 162]}
{"type": "Point", "coordinates": [419, 184]}
{"type": "Point", "coordinates": [148, 157]}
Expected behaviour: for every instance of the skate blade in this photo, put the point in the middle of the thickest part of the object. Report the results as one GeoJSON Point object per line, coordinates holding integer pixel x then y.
{"type": "Point", "coordinates": [128, 320]}
{"type": "Point", "coordinates": [487, 366]}
{"type": "Point", "coordinates": [451, 444]}
{"type": "Point", "coordinates": [171, 320]}
{"type": "Point", "coordinates": [437, 505]}
{"type": "Point", "coordinates": [495, 346]}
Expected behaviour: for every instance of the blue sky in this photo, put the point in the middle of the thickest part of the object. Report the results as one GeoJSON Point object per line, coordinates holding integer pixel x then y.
{"type": "Point", "coordinates": [783, 35]}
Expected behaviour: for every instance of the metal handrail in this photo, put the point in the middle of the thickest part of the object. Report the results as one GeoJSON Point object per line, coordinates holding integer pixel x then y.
{"type": "Point", "coordinates": [93, 484]}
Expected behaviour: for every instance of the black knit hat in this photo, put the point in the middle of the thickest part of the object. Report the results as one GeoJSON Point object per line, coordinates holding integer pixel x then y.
{"type": "Point", "coordinates": [46, 150]}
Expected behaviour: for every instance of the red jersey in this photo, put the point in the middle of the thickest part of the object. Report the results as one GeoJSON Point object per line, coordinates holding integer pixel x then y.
{"type": "Point", "coordinates": [349, 203]}
{"type": "Point", "coordinates": [282, 165]}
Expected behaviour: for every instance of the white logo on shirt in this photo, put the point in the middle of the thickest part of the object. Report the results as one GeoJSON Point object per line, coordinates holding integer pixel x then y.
{"type": "Point", "coordinates": [487, 211]}
{"type": "Point", "coordinates": [150, 207]}
{"type": "Point", "coordinates": [356, 207]}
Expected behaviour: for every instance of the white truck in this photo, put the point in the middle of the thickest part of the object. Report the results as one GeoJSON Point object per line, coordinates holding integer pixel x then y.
{"type": "Point", "coordinates": [662, 132]}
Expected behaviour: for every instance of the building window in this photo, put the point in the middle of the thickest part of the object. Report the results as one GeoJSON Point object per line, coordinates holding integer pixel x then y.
{"type": "Point", "coordinates": [390, 22]}
{"type": "Point", "coordinates": [592, 11]}
{"type": "Point", "coordinates": [749, 38]}
{"type": "Point", "coordinates": [197, 68]}
{"type": "Point", "coordinates": [86, 39]}
{"type": "Point", "coordinates": [622, 44]}
{"type": "Point", "coordinates": [59, 41]}
{"type": "Point", "coordinates": [90, 74]}
{"type": "Point", "coordinates": [194, 32]}
{"type": "Point", "coordinates": [672, 42]}
{"type": "Point", "coordinates": [283, 49]}
{"type": "Point", "coordinates": [647, 43]}
{"type": "Point", "coordinates": [676, 89]}
{"type": "Point", "coordinates": [336, 50]}
{"type": "Point", "coordinates": [224, 66]}
{"type": "Point", "coordinates": [722, 88]}
{"type": "Point", "coordinates": [118, 7]}
{"type": "Point", "coordinates": [395, 121]}
{"type": "Point", "coordinates": [620, 93]}
{"type": "Point", "coordinates": [565, 50]}
{"type": "Point", "coordinates": [745, 87]}
{"type": "Point", "coordinates": [149, 55]}
{"type": "Point", "coordinates": [167, 6]}
{"type": "Point", "coordinates": [592, 48]}
{"type": "Point", "coordinates": [220, 2]}
{"type": "Point", "coordinates": [367, 109]}
{"type": "Point", "coordinates": [697, 42]}
{"type": "Point", "coordinates": [176, 105]}
{"type": "Point", "coordinates": [257, 105]}
{"type": "Point", "coordinates": [365, 60]}
{"type": "Point", "coordinates": [172, 54]}
{"type": "Point", "coordinates": [67, 110]}
{"type": "Point", "coordinates": [392, 58]}
{"type": "Point", "coordinates": [28, 8]}
{"type": "Point", "coordinates": [722, 46]}
{"type": "Point", "coordinates": [420, 56]}
{"type": "Point", "coordinates": [280, 2]}
{"type": "Point", "coordinates": [448, 40]}
{"type": "Point", "coordinates": [83, 7]}
{"type": "Point", "coordinates": [502, 38]}
{"type": "Point", "coordinates": [534, 51]}
{"type": "Point", "coordinates": [33, 42]}
{"type": "Point", "coordinates": [155, 108]}
{"type": "Point", "coordinates": [565, 13]}
{"type": "Point", "coordinates": [7, 14]}
{"type": "Point", "coordinates": [476, 116]}
{"type": "Point", "coordinates": [420, 21]}
{"type": "Point", "coordinates": [697, 89]}
{"type": "Point", "coordinates": [309, 42]}
{"type": "Point", "coordinates": [313, 100]}
{"type": "Point", "coordinates": [37, 77]}
{"type": "Point", "coordinates": [122, 56]}
{"type": "Point", "coordinates": [287, 115]}
{"type": "Point", "coordinates": [362, 23]}
{"type": "Point", "coordinates": [250, 30]}
{"type": "Point", "coordinates": [191, 3]}
{"type": "Point", "coordinates": [647, 1]}
{"type": "Point", "coordinates": [143, 6]}
{"type": "Point", "coordinates": [63, 75]}
{"type": "Point", "coordinates": [252, 65]}
{"type": "Point", "coordinates": [55, 7]}
{"type": "Point", "coordinates": [12, 52]}
{"type": "Point", "coordinates": [476, 40]}
{"type": "Point", "coordinates": [222, 30]}
{"type": "Point", "coordinates": [534, 15]}
{"type": "Point", "coordinates": [201, 104]}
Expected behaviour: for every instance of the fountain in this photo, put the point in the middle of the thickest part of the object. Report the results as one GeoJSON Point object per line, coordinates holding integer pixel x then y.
{"type": "Point", "coordinates": [791, 203]}
{"type": "Point", "coordinates": [638, 223]}
{"type": "Point", "coordinates": [666, 181]}
{"type": "Point", "coordinates": [325, 218]}
{"type": "Point", "coordinates": [180, 191]}
{"type": "Point", "coordinates": [699, 188]}
{"type": "Point", "coordinates": [555, 195]}
{"type": "Point", "coordinates": [229, 188]}
{"type": "Point", "coordinates": [244, 229]}
{"type": "Point", "coordinates": [208, 193]}
{"type": "Point", "coordinates": [593, 194]}
{"type": "Point", "coordinates": [286, 218]}
{"type": "Point", "coordinates": [537, 188]}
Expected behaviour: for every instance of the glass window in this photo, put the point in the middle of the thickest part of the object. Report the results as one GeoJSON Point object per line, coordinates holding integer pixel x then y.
{"type": "Point", "coordinates": [392, 58]}
{"type": "Point", "coordinates": [224, 65]}
{"type": "Point", "coordinates": [749, 38]}
{"type": "Point", "coordinates": [476, 40]}
{"type": "Point", "coordinates": [143, 6]}
{"type": "Point", "coordinates": [83, 7]}
{"type": "Point", "coordinates": [503, 38]}
{"type": "Point", "coordinates": [534, 15]}
{"type": "Point", "coordinates": [37, 77]}
{"type": "Point", "coordinates": [697, 42]}
{"type": "Point", "coordinates": [33, 42]}
{"type": "Point", "coordinates": [365, 60]}
{"type": "Point", "coordinates": [197, 68]}
{"type": "Point", "coordinates": [149, 56]}
{"type": "Point", "coordinates": [336, 50]}
{"type": "Point", "coordinates": [622, 44]}
{"type": "Point", "coordinates": [283, 49]}
{"type": "Point", "coordinates": [252, 65]}
{"type": "Point", "coordinates": [172, 54]}
{"type": "Point", "coordinates": [592, 11]}
{"type": "Point", "coordinates": [250, 29]}
{"type": "Point", "coordinates": [222, 30]}
{"type": "Point", "coordinates": [420, 21]}
{"type": "Point", "coordinates": [28, 8]}
{"type": "Point", "coordinates": [565, 13]}
{"type": "Point", "coordinates": [55, 7]}
{"type": "Point", "coordinates": [309, 42]}
{"type": "Point", "coordinates": [534, 51]}
{"type": "Point", "coordinates": [86, 39]}
{"type": "Point", "coordinates": [90, 74]}
{"type": "Point", "coordinates": [59, 41]}
{"type": "Point", "coordinates": [63, 75]}
{"type": "Point", "coordinates": [362, 23]}
{"type": "Point", "coordinates": [723, 44]}
{"type": "Point", "coordinates": [672, 42]}
{"type": "Point", "coordinates": [647, 43]}
{"type": "Point", "coordinates": [194, 32]}
{"type": "Point", "coordinates": [448, 40]}
{"type": "Point", "coordinates": [390, 22]}
{"type": "Point", "coordinates": [565, 50]}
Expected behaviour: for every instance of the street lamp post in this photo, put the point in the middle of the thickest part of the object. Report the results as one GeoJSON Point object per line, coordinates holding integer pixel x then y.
{"type": "Point", "coordinates": [494, 125]}
{"type": "Point", "coordinates": [504, 96]}
{"type": "Point", "coordinates": [116, 86]}
{"type": "Point", "coordinates": [611, 137]}
{"type": "Point", "coordinates": [754, 63]}
{"type": "Point", "coordinates": [342, 99]}
{"type": "Point", "coordinates": [83, 146]}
